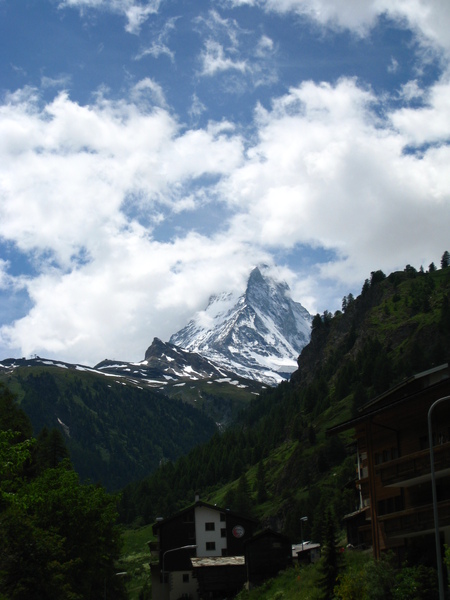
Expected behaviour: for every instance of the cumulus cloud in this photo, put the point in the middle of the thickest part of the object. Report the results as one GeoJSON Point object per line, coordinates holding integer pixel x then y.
{"type": "Point", "coordinates": [86, 191]}
{"type": "Point", "coordinates": [428, 18]}
{"type": "Point", "coordinates": [78, 182]}
{"type": "Point", "coordinates": [429, 124]}
{"type": "Point", "coordinates": [327, 172]}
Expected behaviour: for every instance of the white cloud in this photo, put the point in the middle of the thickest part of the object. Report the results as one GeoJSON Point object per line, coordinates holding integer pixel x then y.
{"type": "Point", "coordinates": [148, 88]}
{"type": "Point", "coordinates": [62, 81]}
{"type": "Point", "coordinates": [214, 60]}
{"type": "Point", "coordinates": [393, 66]}
{"type": "Point", "coordinates": [430, 123]}
{"type": "Point", "coordinates": [4, 276]}
{"type": "Point", "coordinates": [221, 45]}
{"type": "Point", "coordinates": [135, 289]}
{"type": "Point", "coordinates": [247, 57]}
{"type": "Point", "coordinates": [265, 46]}
{"type": "Point", "coordinates": [327, 172]}
{"type": "Point", "coordinates": [83, 189]}
{"type": "Point", "coordinates": [430, 19]}
{"type": "Point", "coordinates": [72, 177]}
{"type": "Point", "coordinates": [156, 50]}
{"type": "Point", "coordinates": [159, 45]}
{"type": "Point", "coordinates": [136, 13]}
{"type": "Point", "coordinates": [411, 90]}
{"type": "Point", "coordinates": [197, 107]}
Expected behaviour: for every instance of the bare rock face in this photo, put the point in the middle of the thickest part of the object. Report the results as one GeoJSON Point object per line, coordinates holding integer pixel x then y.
{"type": "Point", "coordinates": [258, 334]}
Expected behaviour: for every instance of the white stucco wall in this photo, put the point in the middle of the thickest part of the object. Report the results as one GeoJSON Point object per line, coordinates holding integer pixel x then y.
{"type": "Point", "coordinates": [205, 515]}
{"type": "Point", "coordinates": [178, 587]}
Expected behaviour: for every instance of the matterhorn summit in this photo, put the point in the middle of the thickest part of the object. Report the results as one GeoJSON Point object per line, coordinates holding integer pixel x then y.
{"type": "Point", "coordinates": [257, 334]}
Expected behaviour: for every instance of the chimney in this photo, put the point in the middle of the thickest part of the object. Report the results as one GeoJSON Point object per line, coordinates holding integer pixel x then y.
{"type": "Point", "coordinates": [197, 496]}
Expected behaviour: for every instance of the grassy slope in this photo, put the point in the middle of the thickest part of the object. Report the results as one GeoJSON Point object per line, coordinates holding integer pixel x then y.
{"type": "Point", "coordinates": [135, 559]}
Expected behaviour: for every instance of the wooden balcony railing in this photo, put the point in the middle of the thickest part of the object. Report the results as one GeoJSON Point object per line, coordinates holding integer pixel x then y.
{"type": "Point", "coordinates": [415, 520]}
{"type": "Point", "coordinates": [417, 465]}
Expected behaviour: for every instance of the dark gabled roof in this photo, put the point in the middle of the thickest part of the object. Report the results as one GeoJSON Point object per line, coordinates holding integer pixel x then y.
{"type": "Point", "coordinates": [160, 522]}
{"type": "Point", "coordinates": [267, 533]}
{"type": "Point", "coordinates": [402, 392]}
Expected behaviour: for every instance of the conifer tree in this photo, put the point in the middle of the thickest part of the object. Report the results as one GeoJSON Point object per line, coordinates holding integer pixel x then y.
{"type": "Point", "coordinates": [242, 499]}
{"type": "Point", "coordinates": [329, 564]}
{"type": "Point", "coordinates": [261, 491]}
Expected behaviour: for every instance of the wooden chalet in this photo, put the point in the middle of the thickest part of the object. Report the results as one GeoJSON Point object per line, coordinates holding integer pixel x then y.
{"type": "Point", "coordinates": [393, 467]}
{"type": "Point", "coordinates": [266, 554]}
{"type": "Point", "coordinates": [214, 539]}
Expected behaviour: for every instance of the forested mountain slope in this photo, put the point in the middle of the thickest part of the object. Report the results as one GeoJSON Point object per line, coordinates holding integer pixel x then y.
{"type": "Point", "coordinates": [116, 432]}
{"type": "Point", "coordinates": [277, 462]}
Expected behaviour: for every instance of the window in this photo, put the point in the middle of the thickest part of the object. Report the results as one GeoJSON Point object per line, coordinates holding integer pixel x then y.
{"type": "Point", "coordinates": [222, 517]}
{"type": "Point", "coordinates": [210, 526]}
{"type": "Point", "coordinates": [210, 545]}
{"type": "Point", "coordinates": [185, 577]}
{"type": "Point", "coordinates": [390, 505]}
{"type": "Point", "coordinates": [386, 455]}
{"type": "Point", "coordinates": [223, 532]}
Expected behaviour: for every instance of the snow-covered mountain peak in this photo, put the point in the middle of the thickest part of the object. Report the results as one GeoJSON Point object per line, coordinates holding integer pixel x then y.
{"type": "Point", "coordinates": [257, 334]}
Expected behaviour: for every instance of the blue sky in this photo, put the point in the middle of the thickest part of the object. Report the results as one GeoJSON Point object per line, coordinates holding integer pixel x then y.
{"type": "Point", "coordinates": [152, 152]}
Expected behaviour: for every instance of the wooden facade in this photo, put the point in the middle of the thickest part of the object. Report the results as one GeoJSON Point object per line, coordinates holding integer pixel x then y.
{"type": "Point", "coordinates": [393, 466]}
{"type": "Point", "coordinates": [266, 554]}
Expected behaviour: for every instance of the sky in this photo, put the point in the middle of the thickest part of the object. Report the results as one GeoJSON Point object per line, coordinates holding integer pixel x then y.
{"type": "Point", "coordinates": [152, 152]}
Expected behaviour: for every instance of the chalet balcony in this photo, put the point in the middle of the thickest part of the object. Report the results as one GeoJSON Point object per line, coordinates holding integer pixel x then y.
{"type": "Point", "coordinates": [413, 469]}
{"type": "Point", "coordinates": [415, 521]}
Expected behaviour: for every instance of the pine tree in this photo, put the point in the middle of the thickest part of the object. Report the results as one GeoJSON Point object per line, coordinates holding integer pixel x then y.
{"type": "Point", "coordinates": [261, 492]}
{"type": "Point", "coordinates": [329, 564]}
{"type": "Point", "coordinates": [50, 449]}
{"type": "Point", "coordinates": [242, 499]}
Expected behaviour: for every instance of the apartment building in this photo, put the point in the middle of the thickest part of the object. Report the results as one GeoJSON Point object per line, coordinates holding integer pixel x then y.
{"type": "Point", "coordinates": [394, 479]}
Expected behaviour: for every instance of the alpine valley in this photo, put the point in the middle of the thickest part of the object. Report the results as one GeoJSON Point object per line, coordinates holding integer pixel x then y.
{"type": "Point", "coordinates": [120, 419]}
{"type": "Point", "coordinates": [276, 460]}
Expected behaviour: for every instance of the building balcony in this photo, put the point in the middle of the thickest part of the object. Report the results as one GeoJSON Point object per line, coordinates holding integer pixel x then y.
{"type": "Point", "coordinates": [415, 521]}
{"type": "Point", "coordinates": [413, 469]}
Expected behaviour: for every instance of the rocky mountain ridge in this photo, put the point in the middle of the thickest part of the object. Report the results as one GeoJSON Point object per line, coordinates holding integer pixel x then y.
{"type": "Point", "coordinates": [258, 334]}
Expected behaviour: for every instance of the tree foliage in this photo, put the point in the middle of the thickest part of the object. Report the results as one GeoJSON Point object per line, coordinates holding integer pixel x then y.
{"type": "Point", "coordinates": [58, 538]}
{"type": "Point", "coordinates": [381, 580]}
